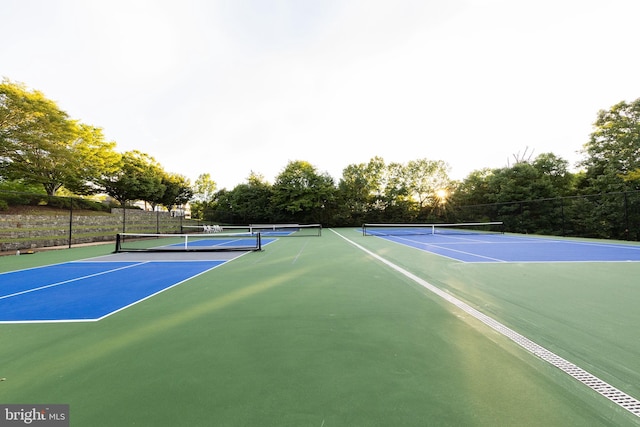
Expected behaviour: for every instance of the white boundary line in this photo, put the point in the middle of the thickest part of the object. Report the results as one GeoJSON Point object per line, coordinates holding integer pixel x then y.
{"type": "Point", "coordinates": [618, 397]}
{"type": "Point", "coordinates": [222, 262]}
{"type": "Point", "coordinates": [64, 282]}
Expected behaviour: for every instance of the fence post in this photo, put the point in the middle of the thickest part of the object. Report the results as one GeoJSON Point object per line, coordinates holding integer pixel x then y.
{"type": "Point", "coordinates": [70, 220]}
{"type": "Point", "coordinates": [626, 216]}
{"type": "Point", "coordinates": [564, 231]}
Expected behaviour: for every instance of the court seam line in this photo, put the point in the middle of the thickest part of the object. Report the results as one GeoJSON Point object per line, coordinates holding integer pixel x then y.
{"type": "Point", "coordinates": [75, 279]}
{"type": "Point", "coordinates": [603, 388]}
{"type": "Point", "coordinates": [299, 253]}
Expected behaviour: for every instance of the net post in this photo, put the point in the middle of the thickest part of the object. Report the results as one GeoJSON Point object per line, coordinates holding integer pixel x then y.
{"type": "Point", "coordinates": [259, 241]}
{"type": "Point", "coordinates": [118, 244]}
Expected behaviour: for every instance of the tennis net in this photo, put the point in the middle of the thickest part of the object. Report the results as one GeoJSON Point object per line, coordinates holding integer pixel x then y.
{"type": "Point", "coordinates": [138, 242]}
{"type": "Point", "coordinates": [495, 227]}
{"type": "Point", "coordinates": [273, 230]}
{"type": "Point", "coordinates": [287, 230]}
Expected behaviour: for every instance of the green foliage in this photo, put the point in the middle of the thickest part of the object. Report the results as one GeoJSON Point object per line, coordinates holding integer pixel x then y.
{"type": "Point", "coordinates": [44, 152]}
{"type": "Point", "coordinates": [139, 177]}
{"type": "Point", "coordinates": [395, 192]}
{"type": "Point", "coordinates": [19, 186]}
{"type": "Point", "coordinates": [204, 188]}
{"type": "Point", "coordinates": [495, 191]}
{"type": "Point", "coordinates": [612, 154]}
{"type": "Point", "coordinates": [300, 193]}
{"type": "Point", "coordinates": [33, 138]}
{"type": "Point", "coordinates": [177, 191]}
{"type": "Point", "coordinates": [76, 203]}
{"type": "Point", "coordinates": [40, 144]}
{"type": "Point", "coordinates": [94, 158]}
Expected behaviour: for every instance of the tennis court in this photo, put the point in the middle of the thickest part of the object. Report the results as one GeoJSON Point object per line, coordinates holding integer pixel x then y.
{"type": "Point", "coordinates": [91, 290]}
{"type": "Point", "coordinates": [337, 330]}
{"type": "Point", "coordinates": [84, 291]}
{"type": "Point", "coordinates": [471, 247]}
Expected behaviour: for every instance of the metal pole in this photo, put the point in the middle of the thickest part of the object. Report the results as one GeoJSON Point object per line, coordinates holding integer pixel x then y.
{"type": "Point", "coordinates": [70, 220]}
{"type": "Point", "coordinates": [626, 216]}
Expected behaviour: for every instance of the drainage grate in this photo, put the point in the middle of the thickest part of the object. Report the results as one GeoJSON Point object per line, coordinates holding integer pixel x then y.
{"type": "Point", "coordinates": [607, 390]}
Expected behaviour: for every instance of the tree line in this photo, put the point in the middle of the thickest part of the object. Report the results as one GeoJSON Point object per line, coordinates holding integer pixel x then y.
{"type": "Point", "coordinates": [41, 147]}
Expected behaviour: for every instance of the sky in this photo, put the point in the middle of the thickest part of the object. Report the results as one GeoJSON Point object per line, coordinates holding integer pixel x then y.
{"type": "Point", "coordinates": [234, 87]}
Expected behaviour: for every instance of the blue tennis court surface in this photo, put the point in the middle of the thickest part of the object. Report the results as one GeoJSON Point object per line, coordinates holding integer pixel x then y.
{"type": "Point", "coordinates": [509, 248]}
{"type": "Point", "coordinates": [87, 291]}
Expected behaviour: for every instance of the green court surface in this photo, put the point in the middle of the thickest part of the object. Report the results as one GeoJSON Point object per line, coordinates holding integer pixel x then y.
{"type": "Point", "coordinates": [316, 332]}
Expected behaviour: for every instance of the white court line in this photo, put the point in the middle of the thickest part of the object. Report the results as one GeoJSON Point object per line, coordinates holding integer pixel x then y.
{"type": "Point", "coordinates": [445, 248]}
{"type": "Point", "coordinates": [605, 389]}
{"type": "Point", "coordinates": [75, 279]}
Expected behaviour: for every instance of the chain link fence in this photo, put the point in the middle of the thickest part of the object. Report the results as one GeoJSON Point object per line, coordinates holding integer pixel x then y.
{"type": "Point", "coordinates": [603, 216]}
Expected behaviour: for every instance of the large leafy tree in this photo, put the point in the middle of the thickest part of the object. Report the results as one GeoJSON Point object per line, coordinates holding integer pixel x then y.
{"type": "Point", "coordinates": [40, 144]}
{"type": "Point", "coordinates": [425, 179]}
{"type": "Point", "coordinates": [139, 177]}
{"type": "Point", "coordinates": [204, 188]}
{"type": "Point", "coordinates": [377, 191]}
{"type": "Point", "coordinates": [301, 193]}
{"type": "Point", "coordinates": [177, 191]}
{"type": "Point", "coordinates": [204, 193]}
{"type": "Point", "coordinates": [371, 190]}
{"type": "Point", "coordinates": [524, 195]}
{"type": "Point", "coordinates": [612, 166]}
{"type": "Point", "coordinates": [353, 194]}
{"type": "Point", "coordinates": [612, 155]}
{"type": "Point", "coordinates": [248, 202]}
{"type": "Point", "coordinates": [34, 138]}
{"type": "Point", "coordinates": [92, 159]}
{"type": "Point", "coordinates": [252, 199]}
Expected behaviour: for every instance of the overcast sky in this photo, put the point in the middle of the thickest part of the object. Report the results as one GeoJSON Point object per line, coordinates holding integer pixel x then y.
{"type": "Point", "coordinates": [228, 87]}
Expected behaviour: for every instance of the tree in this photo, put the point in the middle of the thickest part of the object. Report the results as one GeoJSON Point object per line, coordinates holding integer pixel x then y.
{"type": "Point", "coordinates": [248, 202]}
{"type": "Point", "coordinates": [372, 189]}
{"type": "Point", "coordinates": [93, 158]}
{"type": "Point", "coordinates": [424, 179]}
{"type": "Point", "coordinates": [612, 161]}
{"type": "Point", "coordinates": [354, 194]}
{"type": "Point", "coordinates": [204, 188]}
{"type": "Point", "coordinates": [34, 137]}
{"type": "Point", "coordinates": [613, 151]}
{"type": "Point", "coordinates": [177, 191]}
{"type": "Point", "coordinates": [394, 203]}
{"type": "Point", "coordinates": [138, 178]}
{"type": "Point", "coordinates": [40, 145]}
{"type": "Point", "coordinates": [555, 170]}
{"type": "Point", "coordinates": [204, 192]}
{"type": "Point", "coordinates": [525, 196]}
{"type": "Point", "coordinates": [300, 193]}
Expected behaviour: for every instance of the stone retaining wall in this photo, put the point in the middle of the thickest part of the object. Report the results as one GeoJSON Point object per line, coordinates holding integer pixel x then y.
{"type": "Point", "coordinates": [20, 232]}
